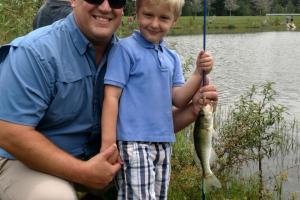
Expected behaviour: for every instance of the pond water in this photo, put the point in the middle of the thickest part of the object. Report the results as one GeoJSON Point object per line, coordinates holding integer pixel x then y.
{"type": "Point", "coordinates": [242, 60]}
{"type": "Point", "coordinates": [245, 59]}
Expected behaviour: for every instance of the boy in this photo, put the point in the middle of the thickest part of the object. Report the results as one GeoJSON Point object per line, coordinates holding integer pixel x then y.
{"type": "Point", "coordinates": [143, 80]}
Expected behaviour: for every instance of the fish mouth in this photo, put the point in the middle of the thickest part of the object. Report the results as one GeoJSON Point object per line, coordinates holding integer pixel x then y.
{"type": "Point", "coordinates": [201, 114]}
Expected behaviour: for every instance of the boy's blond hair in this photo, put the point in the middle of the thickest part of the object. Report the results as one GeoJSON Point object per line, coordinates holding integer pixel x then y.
{"type": "Point", "coordinates": [176, 4]}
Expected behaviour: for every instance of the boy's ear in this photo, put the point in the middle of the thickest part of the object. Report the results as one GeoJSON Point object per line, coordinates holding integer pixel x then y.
{"type": "Point", "coordinates": [174, 23]}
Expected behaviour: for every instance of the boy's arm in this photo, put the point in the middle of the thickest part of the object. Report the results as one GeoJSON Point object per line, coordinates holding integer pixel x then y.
{"type": "Point", "coordinates": [110, 115]}
{"type": "Point", "coordinates": [181, 96]}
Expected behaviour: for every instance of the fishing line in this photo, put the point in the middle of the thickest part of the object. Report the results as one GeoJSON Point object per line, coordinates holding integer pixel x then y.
{"type": "Point", "coordinates": [204, 25]}
{"type": "Point", "coordinates": [202, 191]}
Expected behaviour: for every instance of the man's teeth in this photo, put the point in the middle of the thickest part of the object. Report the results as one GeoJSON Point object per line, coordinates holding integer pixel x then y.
{"type": "Point", "coordinates": [102, 19]}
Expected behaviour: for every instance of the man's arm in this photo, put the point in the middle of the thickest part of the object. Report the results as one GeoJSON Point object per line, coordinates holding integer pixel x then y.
{"type": "Point", "coordinates": [185, 116]}
{"type": "Point", "coordinates": [38, 153]}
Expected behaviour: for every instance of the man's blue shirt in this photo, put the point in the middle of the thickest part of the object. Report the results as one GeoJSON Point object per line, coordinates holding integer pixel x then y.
{"type": "Point", "coordinates": [49, 80]}
{"type": "Point", "coordinates": [147, 73]}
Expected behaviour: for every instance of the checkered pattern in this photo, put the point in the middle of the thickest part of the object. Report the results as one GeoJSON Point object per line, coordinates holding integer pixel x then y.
{"type": "Point", "coordinates": [145, 174]}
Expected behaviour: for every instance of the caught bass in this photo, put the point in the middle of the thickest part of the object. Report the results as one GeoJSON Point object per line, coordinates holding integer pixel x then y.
{"type": "Point", "coordinates": [203, 133]}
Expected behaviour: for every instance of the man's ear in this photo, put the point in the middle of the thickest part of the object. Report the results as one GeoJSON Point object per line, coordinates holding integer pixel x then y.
{"type": "Point", "coordinates": [73, 3]}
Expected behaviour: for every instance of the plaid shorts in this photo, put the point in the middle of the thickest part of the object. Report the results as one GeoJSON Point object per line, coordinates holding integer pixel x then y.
{"type": "Point", "coordinates": [145, 174]}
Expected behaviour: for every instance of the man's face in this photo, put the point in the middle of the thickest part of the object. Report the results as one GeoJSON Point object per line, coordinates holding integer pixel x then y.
{"type": "Point", "coordinates": [97, 22]}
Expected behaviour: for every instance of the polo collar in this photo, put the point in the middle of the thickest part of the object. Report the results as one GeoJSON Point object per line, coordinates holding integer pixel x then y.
{"type": "Point", "coordinates": [145, 43]}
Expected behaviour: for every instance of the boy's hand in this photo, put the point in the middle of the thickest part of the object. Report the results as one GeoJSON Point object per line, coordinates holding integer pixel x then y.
{"type": "Point", "coordinates": [114, 157]}
{"type": "Point", "coordinates": [99, 171]}
{"type": "Point", "coordinates": [204, 62]}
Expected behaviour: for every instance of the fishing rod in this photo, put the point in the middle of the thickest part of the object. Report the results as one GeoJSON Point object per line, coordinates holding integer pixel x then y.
{"type": "Point", "coordinates": [204, 38]}
{"type": "Point", "coordinates": [203, 196]}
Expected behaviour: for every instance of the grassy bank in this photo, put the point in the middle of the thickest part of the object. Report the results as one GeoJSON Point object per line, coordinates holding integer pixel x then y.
{"type": "Point", "coordinates": [251, 131]}
{"type": "Point", "coordinates": [188, 25]}
{"type": "Point", "coordinates": [14, 24]}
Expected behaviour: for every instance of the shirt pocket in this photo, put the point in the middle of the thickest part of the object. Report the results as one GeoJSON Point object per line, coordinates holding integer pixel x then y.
{"type": "Point", "coordinates": [73, 96]}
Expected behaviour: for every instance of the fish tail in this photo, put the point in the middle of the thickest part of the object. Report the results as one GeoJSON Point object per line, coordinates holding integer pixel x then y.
{"type": "Point", "coordinates": [210, 182]}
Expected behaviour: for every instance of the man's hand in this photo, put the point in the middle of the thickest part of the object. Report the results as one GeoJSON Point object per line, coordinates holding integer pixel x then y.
{"type": "Point", "coordinates": [206, 94]}
{"type": "Point", "coordinates": [100, 170]}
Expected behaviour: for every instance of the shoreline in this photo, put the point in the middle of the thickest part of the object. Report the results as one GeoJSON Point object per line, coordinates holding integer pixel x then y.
{"type": "Point", "coordinates": [189, 25]}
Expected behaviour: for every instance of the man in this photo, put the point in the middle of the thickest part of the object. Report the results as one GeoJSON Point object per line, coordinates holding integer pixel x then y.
{"type": "Point", "coordinates": [51, 11]}
{"type": "Point", "coordinates": [51, 86]}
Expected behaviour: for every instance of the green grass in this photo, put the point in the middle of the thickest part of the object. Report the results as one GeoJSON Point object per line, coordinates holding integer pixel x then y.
{"type": "Point", "coordinates": [187, 25]}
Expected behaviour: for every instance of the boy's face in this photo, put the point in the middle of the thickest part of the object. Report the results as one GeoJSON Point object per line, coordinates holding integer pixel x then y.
{"type": "Point", "coordinates": [155, 20]}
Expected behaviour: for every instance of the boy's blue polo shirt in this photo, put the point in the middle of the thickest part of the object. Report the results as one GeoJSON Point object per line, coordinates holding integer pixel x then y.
{"type": "Point", "coordinates": [146, 73]}
{"type": "Point", "coordinates": [49, 80]}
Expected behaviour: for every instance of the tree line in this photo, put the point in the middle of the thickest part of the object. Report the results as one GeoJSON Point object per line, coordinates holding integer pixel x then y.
{"type": "Point", "coordinates": [232, 7]}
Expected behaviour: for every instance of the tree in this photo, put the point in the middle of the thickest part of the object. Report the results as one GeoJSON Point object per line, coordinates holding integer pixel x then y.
{"type": "Point", "coordinates": [290, 8]}
{"type": "Point", "coordinates": [298, 6]}
{"type": "Point", "coordinates": [129, 9]}
{"type": "Point", "coordinates": [187, 9]}
{"type": "Point", "coordinates": [219, 6]}
{"type": "Point", "coordinates": [263, 6]}
{"type": "Point", "coordinates": [278, 9]}
{"type": "Point", "coordinates": [197, 5]}
{"type": "Point", "coordinates": [231, 5]}
{"type": "Point", "coordinates": [244, 9]}
{"type": "Point", "coordinates": [209, 3]}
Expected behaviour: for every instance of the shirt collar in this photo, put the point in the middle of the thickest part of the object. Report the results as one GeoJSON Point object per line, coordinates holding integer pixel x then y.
{"type": "Point", "coordinates": [80, 41]}
{"type": "Point", "coordinates": [145, 43]}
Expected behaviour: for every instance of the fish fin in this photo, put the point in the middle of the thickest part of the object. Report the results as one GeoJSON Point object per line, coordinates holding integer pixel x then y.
{"type": "Point", "coordinates": [213, 156]}
{"type": "Point", "coordinates": [196, 159]}
{"type": "Point", "coordinates": [210, 182]}
{"type": "Point", "coordinates": [214, 133]}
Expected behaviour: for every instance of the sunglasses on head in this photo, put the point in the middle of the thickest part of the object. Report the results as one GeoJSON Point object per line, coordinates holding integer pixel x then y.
{"type": "Point", "coordinates": [112, 3]}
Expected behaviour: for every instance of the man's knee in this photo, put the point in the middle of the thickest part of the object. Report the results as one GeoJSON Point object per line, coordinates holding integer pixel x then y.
{"type": "Point", "coordinates": [40, 192]}
{"type": "Point", "coordinates": [53, 191]}
{"type": "Point", "coordinates": [18, 182]}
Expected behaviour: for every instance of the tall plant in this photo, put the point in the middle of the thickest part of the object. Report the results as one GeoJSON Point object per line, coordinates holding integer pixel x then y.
{"type": "Point", "coordinates": [252, 131]}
